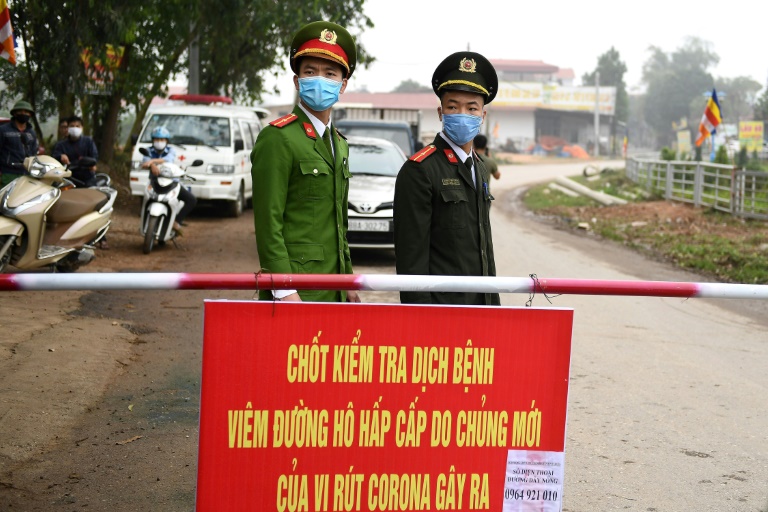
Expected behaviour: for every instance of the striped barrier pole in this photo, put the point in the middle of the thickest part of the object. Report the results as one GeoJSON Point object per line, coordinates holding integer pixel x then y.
{"type": "Point", "coordinates": [375, 282]}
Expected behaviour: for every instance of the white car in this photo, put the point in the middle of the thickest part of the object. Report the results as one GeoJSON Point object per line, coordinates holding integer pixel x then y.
{"type": "Point", "coordinates": [222, 136]}
{"type": "Point", "coordinates": [374, 164]}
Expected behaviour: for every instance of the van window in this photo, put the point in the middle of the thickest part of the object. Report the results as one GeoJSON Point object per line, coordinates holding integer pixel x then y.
{"type": "Point", "coordinates": [247, 135]}
{"type": "Point", "coordinates": [189, 129]}
{"type": "Point", "coordinates": [255, 129]}
{"type": "Point", "coordinates": [236, 132]}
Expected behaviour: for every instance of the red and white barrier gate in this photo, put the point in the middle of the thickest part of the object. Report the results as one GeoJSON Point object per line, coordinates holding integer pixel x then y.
{"type": "Point", "coordinates": [375, 282]}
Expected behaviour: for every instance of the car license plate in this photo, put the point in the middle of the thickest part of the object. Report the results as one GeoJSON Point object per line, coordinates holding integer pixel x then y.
{"type": "Point", "coordinates": [368, 225]}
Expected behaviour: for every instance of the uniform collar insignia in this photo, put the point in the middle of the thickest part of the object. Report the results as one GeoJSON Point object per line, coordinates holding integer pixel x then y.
{"type": "Point", "coordinates": [449, 153]}
{"type": "Point", "coordinates": [310, 130]}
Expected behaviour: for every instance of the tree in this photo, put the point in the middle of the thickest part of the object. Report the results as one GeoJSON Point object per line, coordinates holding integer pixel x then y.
{"type": "Point", "coordinates": [242, 41]}
{"type": "Point", "coordinates": [761, 107]}
{"type": "Point", "coordinates": [258, 37]}
{"type": "Point", "coordinates": [673, 82]}
{"type": "Point", "coordinates": [737, 104]}
{"type": "Point", "coordinates": [612, 70]}
{"type": "Point", "coordinates": [411, 86]}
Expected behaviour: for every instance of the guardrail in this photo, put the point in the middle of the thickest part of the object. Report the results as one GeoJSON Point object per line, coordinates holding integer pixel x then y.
{"type": "Point", "coordinates": [722, 187]}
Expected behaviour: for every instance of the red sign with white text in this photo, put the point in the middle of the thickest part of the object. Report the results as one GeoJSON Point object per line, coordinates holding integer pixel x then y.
{"type": "Point", "coordinates": [361, 407]}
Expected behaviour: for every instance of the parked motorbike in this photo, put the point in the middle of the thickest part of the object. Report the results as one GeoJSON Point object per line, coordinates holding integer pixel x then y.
{"type": "Point", "coordinates": [161, 203]}
{"type": "Point", "coordinates": [101, 179]}
{"type": "Point", "coordinates": [43, 224]}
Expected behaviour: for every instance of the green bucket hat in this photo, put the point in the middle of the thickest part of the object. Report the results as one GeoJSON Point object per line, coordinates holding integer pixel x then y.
{"type": "Point", "coordinates": [22, 105]}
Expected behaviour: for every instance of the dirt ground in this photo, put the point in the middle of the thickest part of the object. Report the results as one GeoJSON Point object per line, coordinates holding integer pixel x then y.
{"type": "Point", "coordinates": [91, 382]}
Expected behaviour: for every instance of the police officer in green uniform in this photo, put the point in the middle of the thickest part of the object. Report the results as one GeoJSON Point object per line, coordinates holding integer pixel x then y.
{"type": "Point", "coordinates": [300, 168]}
{"type": "Point", "coordinates": [442, 194]}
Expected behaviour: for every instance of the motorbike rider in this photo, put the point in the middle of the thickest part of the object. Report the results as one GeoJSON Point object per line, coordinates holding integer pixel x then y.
{"type": "Point", "coordinates": [161, 152]}
{"type": "Point", "coordinates": [17, 141]}
{"type": "Point", "coordinates": [75, 146]}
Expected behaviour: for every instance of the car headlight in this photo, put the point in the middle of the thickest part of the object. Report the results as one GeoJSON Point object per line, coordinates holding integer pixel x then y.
{"type": "Point", "coordinates": [221, 169]}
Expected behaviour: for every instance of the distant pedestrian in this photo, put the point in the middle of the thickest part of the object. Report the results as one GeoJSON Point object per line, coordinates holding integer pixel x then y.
{"type": "Point", "coordinates": [63, 125]}
{"type": "Point", "coordinates": [17, 141]}
{"type": "Point", "coordinates": [481, 147]}
{"type": "Point", "coordinates": [442, 195]}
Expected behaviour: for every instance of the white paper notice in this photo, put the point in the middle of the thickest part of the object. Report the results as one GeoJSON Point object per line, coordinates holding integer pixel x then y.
{"type": "Point", "coordinates": [534, 481]}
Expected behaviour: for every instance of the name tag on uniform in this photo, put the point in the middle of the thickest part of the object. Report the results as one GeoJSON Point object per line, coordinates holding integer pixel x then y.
{"type": "Point", "coordinates": [451, 182]}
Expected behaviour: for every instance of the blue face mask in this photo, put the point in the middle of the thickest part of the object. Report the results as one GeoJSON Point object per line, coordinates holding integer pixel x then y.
{"type": "Point", "coordinates": [461, 128]}
{"type": "Point", "coordinates": [319, 93]}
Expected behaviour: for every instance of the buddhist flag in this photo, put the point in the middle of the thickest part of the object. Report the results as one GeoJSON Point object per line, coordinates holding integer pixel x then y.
{"type": "Point", "coordinates": [6, 34]}
{"type": "Point", "coordinates": [709, 120]}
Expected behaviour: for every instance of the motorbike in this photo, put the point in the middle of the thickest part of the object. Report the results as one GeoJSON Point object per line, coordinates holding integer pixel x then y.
{"type": "Point", "coordinates": [45, 224]}
{"type": "Point", "coordinates": [101, 179]}
{"type": "Point", "coordinates": [161, 203]}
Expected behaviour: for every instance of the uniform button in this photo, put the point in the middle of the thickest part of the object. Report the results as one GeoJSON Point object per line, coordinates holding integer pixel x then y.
{"type": "Point", "coordinates": [314, 171]}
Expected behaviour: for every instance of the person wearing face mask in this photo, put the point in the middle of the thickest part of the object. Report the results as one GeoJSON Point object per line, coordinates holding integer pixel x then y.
{"type": "Point", "coordinates": [75, 146]}
{"type": "Point", "coordinates": [300, 169]}
{"type": "Point", "coordinates": [17, 141]}
{"type": "Point", "coordinates": [161, 152]}
{"type": "Point", "coordinates": [442, 193]}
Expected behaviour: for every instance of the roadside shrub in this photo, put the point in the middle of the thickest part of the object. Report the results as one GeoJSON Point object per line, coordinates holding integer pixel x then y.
{"type": "Point", "coordinates": [721, 157]}
{"type": "Point", "coordinates": [742, 158]}
{"type": "Point", "coordinates": [667, 154]}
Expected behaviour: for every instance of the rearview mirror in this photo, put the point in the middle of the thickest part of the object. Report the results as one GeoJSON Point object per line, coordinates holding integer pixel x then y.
{"type": "Point", "coordinates": [144, 151]}
{"type": "Point", "coordinates": [196, 163]}
{"type": "Point", "coordinates": [239, 145]}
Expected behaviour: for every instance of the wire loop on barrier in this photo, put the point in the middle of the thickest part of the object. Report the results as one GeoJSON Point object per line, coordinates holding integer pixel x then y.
{"type": "Point", "coordinates": [532, 293]}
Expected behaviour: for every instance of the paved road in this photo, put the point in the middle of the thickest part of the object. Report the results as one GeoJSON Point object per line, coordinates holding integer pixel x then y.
{"type": "Point", "coordinates": [667, 407]}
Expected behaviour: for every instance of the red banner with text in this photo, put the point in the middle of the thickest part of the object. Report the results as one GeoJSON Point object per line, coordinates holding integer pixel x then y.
{"type": "Point", "coordinates": [362, 407]}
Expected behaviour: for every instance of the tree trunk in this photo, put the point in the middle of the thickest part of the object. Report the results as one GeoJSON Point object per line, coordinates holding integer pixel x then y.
{"type": "Point", "coordinates": [109, 132]}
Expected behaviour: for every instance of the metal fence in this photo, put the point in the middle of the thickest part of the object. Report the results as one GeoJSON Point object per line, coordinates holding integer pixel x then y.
{"type": "Point", "coordinates": [738, 192]}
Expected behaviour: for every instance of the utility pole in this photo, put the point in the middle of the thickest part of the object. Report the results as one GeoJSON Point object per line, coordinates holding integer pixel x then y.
{"type": "Point", "coordinates": [597, 114]}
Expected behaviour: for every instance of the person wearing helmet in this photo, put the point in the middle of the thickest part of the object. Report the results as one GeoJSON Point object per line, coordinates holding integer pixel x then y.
{"type": "Point", "coordinates": [161, 151]}
{"type": "Point", "coordinates": [301, 170]}
{"type": "Point", "coordinates": [17, 141]}
{"type": "Point", "coordinates": [442, 193]}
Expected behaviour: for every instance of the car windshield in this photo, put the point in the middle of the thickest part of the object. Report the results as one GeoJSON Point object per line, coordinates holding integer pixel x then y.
{"type": "Point", "coordinates": [190, 130]}
{"type": "Point", "coordinates": [373, 159]}
{"type": "Point", "coordinates": [399, 137]}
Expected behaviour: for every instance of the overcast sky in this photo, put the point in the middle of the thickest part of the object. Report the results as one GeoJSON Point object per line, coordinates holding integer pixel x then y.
{"type": "Point", "coordinates": [411, 37]}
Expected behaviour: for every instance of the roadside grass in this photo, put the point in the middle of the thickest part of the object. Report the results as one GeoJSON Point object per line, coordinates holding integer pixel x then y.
{"type": "Point", "coordinates": [712, 243]}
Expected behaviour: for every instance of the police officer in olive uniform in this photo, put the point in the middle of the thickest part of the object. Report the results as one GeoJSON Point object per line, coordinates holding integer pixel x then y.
{"type": "Point", "coordinates": [301, 170]}
{"type": "Point", "coordinates": [442, 194]}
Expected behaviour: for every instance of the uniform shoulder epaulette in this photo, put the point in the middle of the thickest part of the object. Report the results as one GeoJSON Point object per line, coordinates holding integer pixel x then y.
{"type": "Point", "coordinates": [284, 121]}
{"type": "Point", "coordinates": [419, 156]}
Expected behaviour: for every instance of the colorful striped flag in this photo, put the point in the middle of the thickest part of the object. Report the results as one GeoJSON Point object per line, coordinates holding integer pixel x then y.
{"type": "Point", "coordinates": [6, 34]}
{"type": "Point", "coordinates": [709, 121]}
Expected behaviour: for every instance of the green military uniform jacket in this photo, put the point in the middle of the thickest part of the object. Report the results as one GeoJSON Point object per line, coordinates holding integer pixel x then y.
{"type": "Point", "coordinates": [300, 202]}
{"type": "Point", "coordinates": [442, 223]}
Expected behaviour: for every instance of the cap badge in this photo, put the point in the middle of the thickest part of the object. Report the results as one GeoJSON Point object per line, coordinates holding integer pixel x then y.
{"type": "Point", "coordinates": [328, 36]}
{"type": "Point", "coordinates": [467, 65]}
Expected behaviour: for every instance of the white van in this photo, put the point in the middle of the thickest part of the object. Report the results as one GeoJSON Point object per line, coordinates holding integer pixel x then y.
{"type": "Point", "coordinates": [220, 135]}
